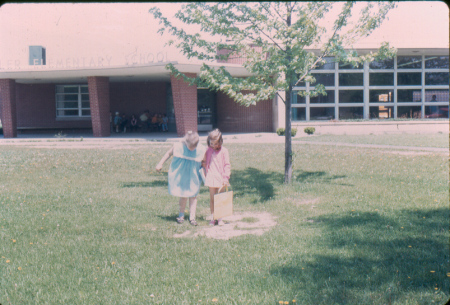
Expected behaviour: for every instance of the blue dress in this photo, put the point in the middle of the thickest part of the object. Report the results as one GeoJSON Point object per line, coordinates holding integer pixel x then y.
{"type": "Point", "coordinates": [184, 175]}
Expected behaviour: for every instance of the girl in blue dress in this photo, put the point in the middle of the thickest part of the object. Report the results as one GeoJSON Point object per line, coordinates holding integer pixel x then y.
{"type": "Point", "coordinates": [184, 173]}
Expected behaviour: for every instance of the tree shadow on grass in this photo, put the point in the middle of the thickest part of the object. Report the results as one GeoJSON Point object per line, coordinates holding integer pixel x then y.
{"type": "Point", "coordinates": [156, 183]}
{"type": "Point", "coordinates": [319, 176]}
{"type": "Point", "coordinates": [369, 258]}
{"type": "Point", "coordinates": [252, 181]}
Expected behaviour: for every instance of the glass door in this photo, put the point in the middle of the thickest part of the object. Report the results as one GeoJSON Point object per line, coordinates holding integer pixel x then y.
{"type": "Point", "coordinates": [206, 110]}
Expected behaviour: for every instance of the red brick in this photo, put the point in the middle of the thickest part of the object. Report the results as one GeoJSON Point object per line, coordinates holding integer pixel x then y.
{"type": "Point", "coordinates": [99, 102]}
{"type": "Point", "coordinates": [185, 104]}
{"type": "Point", "coordinates": [8, 107]}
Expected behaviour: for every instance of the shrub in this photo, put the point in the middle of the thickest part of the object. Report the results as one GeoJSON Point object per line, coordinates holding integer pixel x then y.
{"type": "Point", "coordinates": [280, 131]}
{"type": "Point", "coordinates": [309, 130]}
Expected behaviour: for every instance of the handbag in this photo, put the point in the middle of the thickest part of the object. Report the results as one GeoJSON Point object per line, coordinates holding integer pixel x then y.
{"type": "Point", "coordinates": [223, 203]}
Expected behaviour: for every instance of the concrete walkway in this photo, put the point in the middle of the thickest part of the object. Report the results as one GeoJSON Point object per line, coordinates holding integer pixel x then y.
{"type": "Point", "coordinates": [322, 128]}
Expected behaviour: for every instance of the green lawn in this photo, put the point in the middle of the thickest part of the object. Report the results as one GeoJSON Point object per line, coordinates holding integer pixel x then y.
{"type": "Point", "coordinates": [418, 140]}
{"type": "Point", "coordinates": [97, 226]}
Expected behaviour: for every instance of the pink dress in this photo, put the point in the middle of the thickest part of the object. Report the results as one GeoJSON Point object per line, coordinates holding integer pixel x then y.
{"type": "Point", "coordinates": [217, 167]}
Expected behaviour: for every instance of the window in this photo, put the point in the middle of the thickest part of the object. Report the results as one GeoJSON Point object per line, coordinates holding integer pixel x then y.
{"type": "Point", "coordinates": [381, 96]}
{"type": "Point", "coordinates": [409, 62]}
{"type": "Point", "coordinates": [441, 95]}
{"type": "Point", "coordinates": [409, 112]}
{"type": "Point", "coordinates": [384, 64]}
{"type": "Point", "coordinates": [436, 62]}
{"type": "Point", "coordinates": [440, 78]}
{"type": "Point", "coordinates": [321, 99]}
{"type": "Point", "coordinates": [381, 112]}
{"type": "Point", "coordinates": [298, 99]}
{"type": "Point", "coordinates": [72, 101]}
{"type": "Point", "coordinates": [322, 113]}
{"type": "Point", "coordinates": [326, 79]}
{"type": "Point", "coordinates": [351, 79]}
{"type": "Point", "coordinates": [409, 79]}
{"type": "Point", "coordinates": [381, 79]}
{"type": "Point", "coordinates": [351, 96]}
{"type": "Point", "coordinates": [349, 66]}
{"type": "Point", "coordinates": [434, 112]}
{"type": "Point", "coordinates": [409, 95]}
{"type": "Point", "coordinates": [349, 113]}
{"type": "Point", "coordinates": [329, 64]}
{"type": "Point", "coordinates": [298, 114]}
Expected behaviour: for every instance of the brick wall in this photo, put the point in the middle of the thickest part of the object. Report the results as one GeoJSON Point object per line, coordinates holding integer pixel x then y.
{"type": "Point", "coordinates": [185, 104]}
{"type": "Point", "coordinates": [99, 102]}
{"type": "Point", "coordinates": [8, 106]}
{"type": "Point", "coordinates": [36, 103]}
{"type": "Point", "coordinates": [232, 117]}
{"type": "Point", "coordinates": [36, 108]}
{"type": "Point", "coordinates": [136, 97]}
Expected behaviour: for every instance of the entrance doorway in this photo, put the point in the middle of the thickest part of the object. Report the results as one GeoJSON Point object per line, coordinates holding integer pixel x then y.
{"type": "Point", "coordinates": [206, 110]}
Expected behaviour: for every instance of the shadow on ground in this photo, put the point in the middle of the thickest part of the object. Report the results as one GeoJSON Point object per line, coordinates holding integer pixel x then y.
{"type": "Point", "coordinates": [255, 182]}
{"type": "Point", "coordinates": [368, 258]}
{"type": "Point", "coordinates": [321, 176]}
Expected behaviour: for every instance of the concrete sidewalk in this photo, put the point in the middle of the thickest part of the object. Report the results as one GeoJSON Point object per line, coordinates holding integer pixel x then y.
{"type": "Point", "coordinates": [322, 128]}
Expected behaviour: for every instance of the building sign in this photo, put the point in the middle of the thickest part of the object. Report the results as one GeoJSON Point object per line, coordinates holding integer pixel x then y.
{"type": "Point", "coordinates": [37, 59]}
{"type": "Point", "coordinates": [36, 56]}
{"type": "Point", "coordinates": [136, 58]}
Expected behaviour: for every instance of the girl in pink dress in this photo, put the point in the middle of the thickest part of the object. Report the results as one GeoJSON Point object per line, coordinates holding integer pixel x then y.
{"type": "Point", "coordinates": [217, 168]}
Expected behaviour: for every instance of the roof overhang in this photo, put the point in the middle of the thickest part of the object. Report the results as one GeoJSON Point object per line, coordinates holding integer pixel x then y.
{"type": "Point", "coordinates": [149, 72]}
{"type": "Point", "coordinates": [135, 73]}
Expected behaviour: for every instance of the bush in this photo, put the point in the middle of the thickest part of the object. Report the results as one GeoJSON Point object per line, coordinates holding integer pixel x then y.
{"type": "Point", "coordinates": [309, 130]}
{"type": "Point", "coordinates": [280, 131]}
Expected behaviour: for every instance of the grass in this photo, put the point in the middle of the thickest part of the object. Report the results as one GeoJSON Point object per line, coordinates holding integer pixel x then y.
{"type": "Point", "coordinates": [356, 226]}
{"type": "Point", "coordinates": [418, 140]}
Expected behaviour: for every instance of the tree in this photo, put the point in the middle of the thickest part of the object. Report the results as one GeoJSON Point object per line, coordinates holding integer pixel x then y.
{"type": "Point", "coordinates": [281, 43]}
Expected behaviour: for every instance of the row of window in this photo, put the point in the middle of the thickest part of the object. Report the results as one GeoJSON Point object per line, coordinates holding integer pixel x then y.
{"type": "Point", "coordinates": [402, 62]}
{"type": "Point", "coordinates": [376, 96]}
{"type": "Point", "coordinates": [381, 79]}
{"type": "Point", "coordinates": [402, 87]}
{"type": "Point", "coordinates": [375, 112]}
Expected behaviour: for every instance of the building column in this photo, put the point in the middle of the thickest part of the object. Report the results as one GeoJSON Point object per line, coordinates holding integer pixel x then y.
{"type": "Point", "coordinates": [99, 103]}
{"type": "Point", "coordinates": [8, 104]}
{"type": "Point", "coordinates": [184, 104]}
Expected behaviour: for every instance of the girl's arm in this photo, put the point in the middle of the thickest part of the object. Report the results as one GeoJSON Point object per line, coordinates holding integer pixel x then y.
{"type": "Point", "coordinates": [204, 160]}
{"type": "Point", "coordinates": [168, 154]}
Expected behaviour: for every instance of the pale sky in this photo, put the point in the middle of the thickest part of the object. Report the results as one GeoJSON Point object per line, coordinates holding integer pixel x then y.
{"type": "Point", "coordinates": [120, 34]}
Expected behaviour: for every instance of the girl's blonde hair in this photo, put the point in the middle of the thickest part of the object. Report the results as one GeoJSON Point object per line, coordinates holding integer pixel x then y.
{"type": "Point", "coordinates": [191, 138]}
{"type": "Point", "coordinates": [215, 135]}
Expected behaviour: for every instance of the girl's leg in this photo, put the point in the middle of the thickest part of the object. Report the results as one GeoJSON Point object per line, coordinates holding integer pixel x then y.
{"type": "Point", "coordinates": [182, 204]}
{"type": "Point", "coordinates": [192, 209]}
{"type": "Point", "coordinates": [212, 192]}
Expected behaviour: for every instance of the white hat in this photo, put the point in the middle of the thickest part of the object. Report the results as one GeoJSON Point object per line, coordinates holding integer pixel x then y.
{"type": "Point", "coordinates": [117, 113]}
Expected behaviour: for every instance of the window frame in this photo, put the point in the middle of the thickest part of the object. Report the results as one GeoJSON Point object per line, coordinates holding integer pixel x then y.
{"type": "Point", "coordinates": [80, 101]}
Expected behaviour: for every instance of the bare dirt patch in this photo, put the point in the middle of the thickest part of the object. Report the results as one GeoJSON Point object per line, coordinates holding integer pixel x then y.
{"type": "Point", "coordinates": [236, 225]}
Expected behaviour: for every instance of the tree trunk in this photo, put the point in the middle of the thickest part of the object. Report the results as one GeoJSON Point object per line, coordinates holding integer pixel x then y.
{"type": "Point", "coordinates": [288, 140]}
{"type": "Point", "coordinates": [287, 129]}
